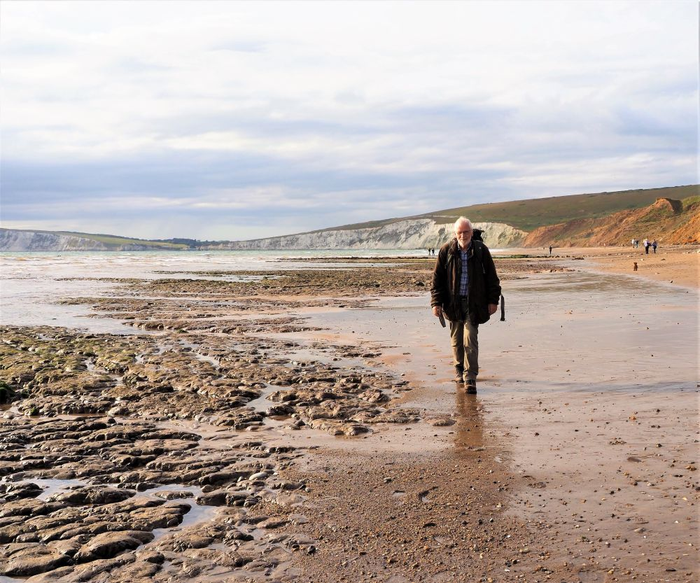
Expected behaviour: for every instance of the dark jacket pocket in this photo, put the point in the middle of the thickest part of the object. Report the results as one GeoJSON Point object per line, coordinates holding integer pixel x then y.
{"type": "Point", "coordinates": [482, 314]}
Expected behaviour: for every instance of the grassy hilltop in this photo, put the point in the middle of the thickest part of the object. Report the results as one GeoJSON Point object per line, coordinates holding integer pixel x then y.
{"type": "Point", "coordinates": [671, 215]}
{"type": "Point", "coordinates": [528, 215]}
{"type": "Point", "coordinates": [539, 212]}
{"type": "Point", "coordinates": [117, 241]}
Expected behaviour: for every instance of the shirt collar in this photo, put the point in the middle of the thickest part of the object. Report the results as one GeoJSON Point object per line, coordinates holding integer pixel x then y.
{"type": "Point", "coordinates": [467, 250]}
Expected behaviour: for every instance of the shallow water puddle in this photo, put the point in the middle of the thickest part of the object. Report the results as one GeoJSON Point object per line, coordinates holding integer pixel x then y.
{"type": "Point", "coordinates": [194, 350]}
{"type": "Point", "coordinates": [262, 403]}
{"type": "Point", "coordinates": [315, 349]}
{"type": "Point", "coordinates": [196, 515]}
{"type": "Point", "coordinates": [52, 486]}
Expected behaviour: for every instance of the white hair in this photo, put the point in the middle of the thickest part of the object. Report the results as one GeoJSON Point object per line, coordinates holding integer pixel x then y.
{"type": "Point", "coordinates": [463, 220]}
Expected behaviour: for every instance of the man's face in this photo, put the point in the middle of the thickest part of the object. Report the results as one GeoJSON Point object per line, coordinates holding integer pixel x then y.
{"type": "Point", "coordinates": [463, 232]}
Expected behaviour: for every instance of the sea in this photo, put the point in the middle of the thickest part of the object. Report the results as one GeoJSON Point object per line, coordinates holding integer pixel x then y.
{"type": "Point", "coordinates": [33, 284]}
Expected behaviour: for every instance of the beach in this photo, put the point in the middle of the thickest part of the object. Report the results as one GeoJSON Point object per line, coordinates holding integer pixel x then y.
{"type": "Point", "coordinates": [298, 422]}
{"type": "Point", "coordinates": [677, 264]}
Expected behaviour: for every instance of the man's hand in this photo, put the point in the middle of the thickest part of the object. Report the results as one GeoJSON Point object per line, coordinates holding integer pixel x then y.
{"type": "Point", "coordinates": [492, 309]}
{"type": "Point", "coordinates": [437, 311]}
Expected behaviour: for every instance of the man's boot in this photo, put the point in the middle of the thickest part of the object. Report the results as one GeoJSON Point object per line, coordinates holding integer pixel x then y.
{"type": "Point", "coordinates": [459, 373]}
{"type": "Point", "coordinates": [470, 382]}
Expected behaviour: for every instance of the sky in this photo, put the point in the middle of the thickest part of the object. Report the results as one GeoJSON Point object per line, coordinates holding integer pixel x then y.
{"type": "Point", "coordinates": [239, 120]}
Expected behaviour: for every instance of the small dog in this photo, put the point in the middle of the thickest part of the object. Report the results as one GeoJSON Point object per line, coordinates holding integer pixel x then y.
{"type": "Point", "coordinates": [635, 266]}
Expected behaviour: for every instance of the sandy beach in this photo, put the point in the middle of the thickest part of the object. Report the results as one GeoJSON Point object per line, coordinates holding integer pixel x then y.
{"type": "Point", "coordinates": [304, 427]}
{"type": "Point", "coordinates": [676, 264]}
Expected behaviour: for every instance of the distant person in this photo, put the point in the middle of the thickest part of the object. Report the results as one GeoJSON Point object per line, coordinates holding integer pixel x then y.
{"type": "Point", "coordinates": [550, 249]}
{"type": "Point", "coordinates": [634, 243]}
{"type": "Point", "coordinates": [646, 246]}
{"type": "Point", "coordinates": [465, 290]}
{"type": "Point", "coordinates": [654, 245]}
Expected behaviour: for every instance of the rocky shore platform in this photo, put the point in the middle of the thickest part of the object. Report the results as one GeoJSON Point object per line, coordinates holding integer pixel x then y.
{"type": "Point", "coordinates": [295, 425]}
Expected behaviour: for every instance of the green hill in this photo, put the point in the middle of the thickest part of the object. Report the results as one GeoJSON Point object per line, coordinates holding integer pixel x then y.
{"type": "Point", "coordinates": [117, 241]}
{"type": "Point", "coordinates": [528, 215]}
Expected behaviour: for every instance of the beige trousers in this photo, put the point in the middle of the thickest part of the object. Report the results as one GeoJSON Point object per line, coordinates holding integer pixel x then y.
{"type": "Point", "coordinates": [465, 345]}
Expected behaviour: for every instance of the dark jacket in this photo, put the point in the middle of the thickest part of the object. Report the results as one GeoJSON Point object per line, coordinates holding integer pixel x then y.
{"type": "Point", "coordinates": [484, 285]}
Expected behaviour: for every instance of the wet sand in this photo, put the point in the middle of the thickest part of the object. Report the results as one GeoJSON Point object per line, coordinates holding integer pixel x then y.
{"type": "Point", "coordinates": [678, 264]}
{"type": "Point", "coordinates": [576, 461]}
{"type": "Point", "coordinates": [584, 428]}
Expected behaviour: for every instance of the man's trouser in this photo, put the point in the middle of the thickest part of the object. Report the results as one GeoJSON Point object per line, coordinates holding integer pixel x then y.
{"type": "Point", "coordinates": [465, 342]}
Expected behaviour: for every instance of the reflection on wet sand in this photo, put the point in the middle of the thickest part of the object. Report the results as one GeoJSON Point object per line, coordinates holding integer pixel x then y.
{"type": "Point", "coordinates": [469, 434]}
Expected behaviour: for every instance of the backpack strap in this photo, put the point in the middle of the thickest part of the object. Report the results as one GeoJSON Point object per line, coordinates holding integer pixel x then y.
{"type": "Point", "coordinates": [479, 254]}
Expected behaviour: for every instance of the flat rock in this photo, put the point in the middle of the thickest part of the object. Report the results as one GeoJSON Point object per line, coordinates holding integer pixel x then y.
{"type": "Point", "coordinates": [22, 490]}
{"type": "Point", "coordinates": [28, 507]}
{"type": "Point", "coordinates": [93, 495]}
{"type": "Point", "coordinates": [33, 559]}
{"type": "Point", "coordinates": [109, 544]}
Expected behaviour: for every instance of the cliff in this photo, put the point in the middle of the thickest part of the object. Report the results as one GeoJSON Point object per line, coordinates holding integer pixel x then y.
{"type": "Point", "coordinates": [11, 240]}
{"type": "Point", "coordinates": [669, 221]}
{"type": "Point", "coordinates": [20, 241]}
{"type": "Point", "coordinates": [406, 234]}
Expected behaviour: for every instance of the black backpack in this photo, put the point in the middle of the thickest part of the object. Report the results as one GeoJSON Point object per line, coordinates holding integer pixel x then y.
{"type": "Point", "coordinates": [477, 253]}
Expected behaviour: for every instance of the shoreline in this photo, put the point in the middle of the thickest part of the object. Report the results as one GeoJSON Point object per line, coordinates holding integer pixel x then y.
{"type": "Point", "coordinates": [679, 265]}
{"type": "Point", "coordinates": [337, 445]}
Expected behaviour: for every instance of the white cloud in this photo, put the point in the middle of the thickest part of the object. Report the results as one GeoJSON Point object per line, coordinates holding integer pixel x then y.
{"type": "Point", "coordinates": [409, 101]}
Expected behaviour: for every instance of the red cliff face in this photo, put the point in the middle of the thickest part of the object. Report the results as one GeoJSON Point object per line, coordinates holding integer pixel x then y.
{"type": "Point", "coordinates": [666, 220]}
{"type": "Point", "coordinates": [668, 205]}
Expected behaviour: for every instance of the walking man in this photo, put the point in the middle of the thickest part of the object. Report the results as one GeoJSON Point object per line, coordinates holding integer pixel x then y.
{"type": "Point", "coordinates": [466, 290]}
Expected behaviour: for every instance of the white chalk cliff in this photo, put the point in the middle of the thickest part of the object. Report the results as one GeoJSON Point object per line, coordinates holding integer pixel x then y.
{"type": "Point", "coordinates": [19, 241]}
{"type": "Point", "coordinates": [402, 234]}
{"type": "Point", "coordinates": [405, 234]}
{"type": "Point", "coordinates": [11, 240]}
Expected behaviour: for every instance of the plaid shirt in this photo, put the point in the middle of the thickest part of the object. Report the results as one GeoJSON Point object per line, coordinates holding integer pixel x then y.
{"type": "Point", "coordinates": [464, 280]}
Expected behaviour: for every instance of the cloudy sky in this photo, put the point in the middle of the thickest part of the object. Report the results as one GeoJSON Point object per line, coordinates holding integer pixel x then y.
{"type": "Point", "coordinates": [235, 120]}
